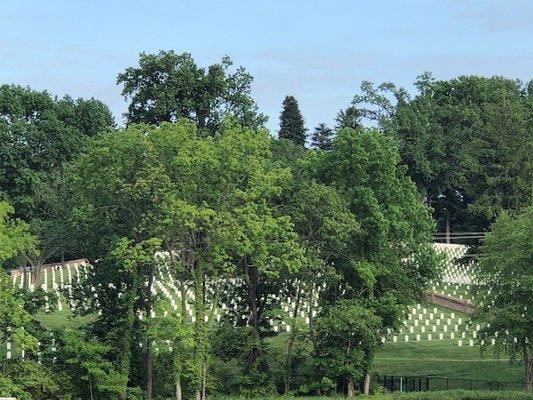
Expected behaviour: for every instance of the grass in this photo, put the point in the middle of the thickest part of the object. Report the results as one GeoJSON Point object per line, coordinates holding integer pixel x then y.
{"type": "Point", "coordinates": [443, 395]}
{"type": "Point", "coordinates": [63, 319]}
{"type": "Point", "coordinates": [444, 358]}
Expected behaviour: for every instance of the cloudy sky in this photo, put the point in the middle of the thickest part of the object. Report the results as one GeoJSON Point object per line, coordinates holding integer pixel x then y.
{"type": "Point", "coordinates": [318, 51]}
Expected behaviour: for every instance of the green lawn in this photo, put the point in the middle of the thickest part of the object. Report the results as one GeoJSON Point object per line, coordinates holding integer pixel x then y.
{"type": "Point", "coordinates": [62, 319]}
{"type": "Point", "coordinates": [443, 395]}
{"type": "Point", "coordinates": [444, 358]}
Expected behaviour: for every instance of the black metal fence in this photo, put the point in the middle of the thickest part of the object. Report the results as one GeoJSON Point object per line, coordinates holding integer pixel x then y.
{"type": "Point", "coordinates": [394, 383]}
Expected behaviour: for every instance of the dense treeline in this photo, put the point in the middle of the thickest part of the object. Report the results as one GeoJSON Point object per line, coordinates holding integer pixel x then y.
{"type": "Point", "coordinates": [194, 185]}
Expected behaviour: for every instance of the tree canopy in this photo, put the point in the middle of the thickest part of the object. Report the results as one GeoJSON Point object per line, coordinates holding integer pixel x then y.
{"type": "Point", "coordinates": [167, 86]}
{"type": "Point", "coordinates": [505, 267]}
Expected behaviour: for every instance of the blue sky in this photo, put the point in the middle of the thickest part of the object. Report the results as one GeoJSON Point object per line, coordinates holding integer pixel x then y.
{"type": "Point", "coordinates": [318, 51]}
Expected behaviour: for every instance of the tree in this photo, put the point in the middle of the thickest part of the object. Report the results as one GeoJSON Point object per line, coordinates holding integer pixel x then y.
{"type": "Point", "coordinates": [86, 359]}
{"type": "Point", "coordinates": [121, 184]}
{"type": "Point", "coordinates": [166, 86]}
{"type": "Point", "coordinates": [388, 261]}
{"type": "Point", "coordinates": [322, 137]}
{"type": "Point", "coordinates": [348, 118]}
{"type": "Point", "coordinates": [14, 234]}
{"type": "Point", "coordinates": [291, 125]}
{"type": "Point", "coordinates": [325, 227]}
{"type": "Point", "coordinates": [347, 336]}
{"type": "Point", "coordinates": [505, 269]}
{"type": "Point", "coordinates": [209, 201]}
{"type": "Point", "coordinates": [39, 136]}
{"type": "Point", "coordinates": [466, 142]}
{"type": "Point", "coordinates": [28, 380]}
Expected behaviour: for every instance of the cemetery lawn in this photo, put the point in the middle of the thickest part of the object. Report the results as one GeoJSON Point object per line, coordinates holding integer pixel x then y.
{"type": "Point", "coordinates": [444, 358]}
{"type": "Point", "coordinates": [63, 319]}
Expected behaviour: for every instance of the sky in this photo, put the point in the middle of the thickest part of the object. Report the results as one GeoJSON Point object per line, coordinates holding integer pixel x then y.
{"type": "Point", "coordinates": [317, 51]}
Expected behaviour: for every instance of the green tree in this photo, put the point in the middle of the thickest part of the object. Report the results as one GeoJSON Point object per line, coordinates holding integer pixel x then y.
{"type": "Point", "coordinates": [15, 321]}
{"type": "Point", "coordinates": [39, 135]}
{"type": "Point", "coordinates": [347, 334]}
{"type": "Point", "coordinates": [30, 381]}
{"type": "Point", "coordinates": [389, 260]}
{"type": "Point", "coordinates": [322, 137]}
{"type": "Point", "coordinates": [121, 184]}
{"type": "Point", "coordinates": [211, 203]}
{"type": "Point", "coordinates": [291, 122]}
{"type": "Point", "coordinates": [14, 234]}
{"type": "Point", "coordinates": [350, 117]}
{"type": "Point", "coordinates": [86, 361]}
{"type": "Point", "coordinates": [505, 268]}
{"type": "Point", "coordinates": [166, 86]}
{"type": "Point", "coordinates": [466, 142]}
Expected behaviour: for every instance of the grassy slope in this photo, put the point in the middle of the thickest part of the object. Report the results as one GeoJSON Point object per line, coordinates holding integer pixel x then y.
{"type": "Point", "coordinates": [444, 358]}
{"type": "Point", "coordinates": [62, 319]}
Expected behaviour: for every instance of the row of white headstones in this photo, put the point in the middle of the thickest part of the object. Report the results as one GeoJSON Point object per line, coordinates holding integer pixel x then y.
{"type": "Point", "coordinates": [166, 285]}
{"type": "Point", "coordinates": [59, 282]}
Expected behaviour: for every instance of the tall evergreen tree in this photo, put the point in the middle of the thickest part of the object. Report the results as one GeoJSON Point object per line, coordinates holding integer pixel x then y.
{"type": "Point", "coordinates": [322, 137]}
{"type": "Point", "coordinates": [292, 124]}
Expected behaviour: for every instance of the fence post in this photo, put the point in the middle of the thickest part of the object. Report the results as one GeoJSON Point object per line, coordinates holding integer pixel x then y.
{"type": "Point", "coordinates": [470, 384]}
{"type": "Point", "coordinates": [447, 383]}
{"type": "Point", "coordinates": [419, 383]}
{"type": "Point", "coordinates": [427, 383]}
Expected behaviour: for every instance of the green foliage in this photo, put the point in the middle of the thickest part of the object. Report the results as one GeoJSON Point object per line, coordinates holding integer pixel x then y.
{"type": "Point", "coordinates": [167, 86]}
{"type": "Point", "coordinates": [30, 381]}
{"type": "Point", "coordinates": [322, 137]}
{"type": "Point", "coordinates": [506, 268]}
{"type": "Point", "coordinates": [347, 337]}
{"type": "Point", "coordinates": [291, 122]}
{"type": "Point", "coordinates": [466, 141]}
{"type": "Point", "coordinates": [348, 118]}
{"type": "Point", "coordinates": [14, 234]}
{"type": "Point", "coordinates": [387, 262]}
{"type": "Point", "coordinates": [39, 134]}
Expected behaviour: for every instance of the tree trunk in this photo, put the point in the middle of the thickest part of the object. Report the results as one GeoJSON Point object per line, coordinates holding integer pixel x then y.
{"type": "Point", "coordinates": [200, 328]}
{"type": "Point", "coordinates": [178, 389]}
{"type": "Point", "coordinates": [350, 387]}
{"type": "Point", "coordinates": [183, 292]}
{"type": "Point", "coordinates": [290, 347]}
{"type": "Point", "coordinates": [91, 387]}
{"type": "Point", "coordinates": [253, 280]}
{"type": "Point", "coordinates": [447, 225]}
{"type": "Point", "coordinates": [125, 348]}
{"type": "Point", "coordinates": [528, 368]}
{"type": "Point", "coordinates": [149, 352]}
{"type": "Point", "coordinates": [366, 385]}
{"type": "Point", "coordinates": [204, 382]}
{"type": "Point", "coordinates": [311, 318]}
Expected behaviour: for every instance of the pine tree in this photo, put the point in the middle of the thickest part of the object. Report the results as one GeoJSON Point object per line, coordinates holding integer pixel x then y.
{"type": "Point", "coordinates": [322, 137]}
{"type": "Point", "coordinates": [348, 118]}
{"type": "Point", "coordinates": [291, 122]}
